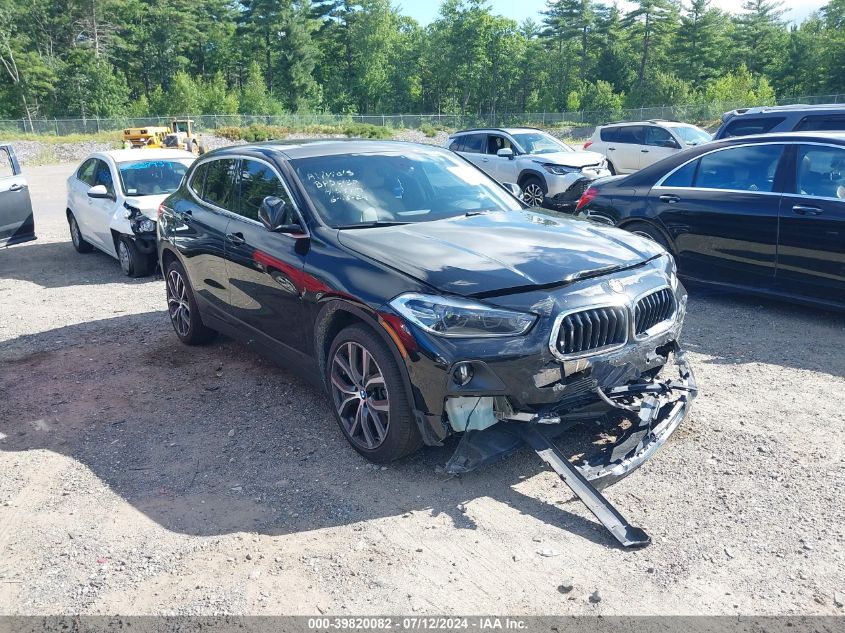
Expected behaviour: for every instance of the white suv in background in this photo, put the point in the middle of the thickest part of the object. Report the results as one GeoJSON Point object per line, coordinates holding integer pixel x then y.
{"type": "Point", "coordinates": [548, 171]}
{"type": "Point", "coordinates": [632, 146]}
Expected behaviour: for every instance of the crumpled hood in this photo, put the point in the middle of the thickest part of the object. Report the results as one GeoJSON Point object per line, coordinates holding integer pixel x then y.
{"type": "Point", "coordinates": [569, 159]}
{"type": "Point", "coordinates": [498, 251]}
{"type": "Point", "coordinates": [147, 204]}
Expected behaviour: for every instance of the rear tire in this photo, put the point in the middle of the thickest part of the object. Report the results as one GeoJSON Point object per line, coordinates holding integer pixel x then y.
{"type": "Point", "coordinates": [133, 262]}
{"type": "Point", "coordinates": [76, 238]}
{"type": "Point", "coordinates": [368, 396]}
{"type": "Point", "coordinates": [182, 307]}
{"type": "Point", "coordinates": [648, 231]}
{"type": "Point", "coordinates": [533, 191]}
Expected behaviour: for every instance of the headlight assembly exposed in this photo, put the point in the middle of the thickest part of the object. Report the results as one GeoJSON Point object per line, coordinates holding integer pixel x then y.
{"type": "Point", "coordinates": [455, 317]}
{"type": "Point", "coordinates": [560, 170]}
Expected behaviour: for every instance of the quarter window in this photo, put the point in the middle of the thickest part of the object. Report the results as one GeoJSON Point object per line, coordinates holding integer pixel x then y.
{"type": "Point", "coordinates": [821, 171]}
{"type": "Point", "coordinates": [198, 179]}
{"type": "Point", "coordinates": [258, 181]}
{"type": "Point", "coordinates": [219, 188]}
{"type": "Point", "coordinates": [6, 168]}
{"type": "Point", "coordinates": [748, 168]}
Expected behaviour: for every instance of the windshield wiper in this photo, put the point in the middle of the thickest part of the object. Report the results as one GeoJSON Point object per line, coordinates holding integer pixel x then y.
{"type": "Point", "coordinates": [369, 225]}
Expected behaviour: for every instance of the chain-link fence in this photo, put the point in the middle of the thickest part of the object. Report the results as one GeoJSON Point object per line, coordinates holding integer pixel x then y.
{"type": "Point", "coordinates": [693, 113]}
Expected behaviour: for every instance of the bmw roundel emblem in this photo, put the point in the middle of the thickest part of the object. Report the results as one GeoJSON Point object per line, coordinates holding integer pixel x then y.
{"type": "Point", "coordinates": [616, 286]}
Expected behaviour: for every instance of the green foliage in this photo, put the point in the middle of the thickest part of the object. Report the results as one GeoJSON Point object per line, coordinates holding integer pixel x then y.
{"type": "Point", "coordinates": [99, 58]}
{"type": "Point", "coordinates": [259, 132]}
{"type": "Point", "coordinates": [600, 102]}
{"type": "Point", "coordinates": [740, 87]}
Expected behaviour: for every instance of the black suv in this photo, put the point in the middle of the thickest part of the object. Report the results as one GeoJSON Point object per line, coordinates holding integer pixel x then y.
{"type": "Point", "coordinates": [426, 298]}
{"type": "Point", "coordinates": [791, 118]}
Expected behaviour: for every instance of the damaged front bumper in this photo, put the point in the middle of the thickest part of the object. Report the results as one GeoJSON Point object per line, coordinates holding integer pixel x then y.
{"type": "Point", "coordinates": [651, 410]}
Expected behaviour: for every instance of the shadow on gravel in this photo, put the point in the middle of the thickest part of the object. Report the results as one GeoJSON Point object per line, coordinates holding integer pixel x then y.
{"type": "Point", "coordinates": [58, 265]}
{"type": "Point", "coordinates": [212, 440]}
{"type": "Point", "coordinates": [734, 328]}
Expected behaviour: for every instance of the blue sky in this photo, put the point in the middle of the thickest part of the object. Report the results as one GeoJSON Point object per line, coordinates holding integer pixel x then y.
{"type": "Point", "coordinates": [424, 11]}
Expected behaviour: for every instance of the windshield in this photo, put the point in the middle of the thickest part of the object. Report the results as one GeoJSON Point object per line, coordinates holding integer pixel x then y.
{"type": "Point", "coordinates": [692, 135]}
{"type": "Point", "coordinates": [351, 190]}
{"type": "Point", "coordinates": [151, 177]}
{"type": "Point", "coordinates": [540, 143]}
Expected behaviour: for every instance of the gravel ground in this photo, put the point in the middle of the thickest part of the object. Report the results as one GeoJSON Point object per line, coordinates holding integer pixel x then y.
{"type": "Point", "coordinates": [142, 477]}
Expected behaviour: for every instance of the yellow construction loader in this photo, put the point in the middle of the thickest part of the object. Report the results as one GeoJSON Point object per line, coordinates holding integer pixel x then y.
{"type": "Point", "coordinates": [180, 135]}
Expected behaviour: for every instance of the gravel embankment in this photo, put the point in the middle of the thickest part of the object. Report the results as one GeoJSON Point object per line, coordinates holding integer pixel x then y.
{"type": "Point", "coordinates": [139, 476]}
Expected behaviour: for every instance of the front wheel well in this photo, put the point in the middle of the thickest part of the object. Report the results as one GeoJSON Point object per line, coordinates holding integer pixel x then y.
{"type": "Point", "coordinates": [167, 257]}
{"type": "Point", "coordinates": [529, 174]}
{"type": "Point", "coordinates": [626, 224]}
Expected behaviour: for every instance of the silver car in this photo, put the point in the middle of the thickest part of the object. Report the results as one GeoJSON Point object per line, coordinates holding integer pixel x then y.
{"type": "Point", "coordinates": [548, 171]}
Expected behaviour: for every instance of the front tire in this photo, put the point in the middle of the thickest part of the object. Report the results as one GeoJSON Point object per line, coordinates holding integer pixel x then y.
{"type": "Point", "coordinates": [533, 191]}
{"type": "Point", "coordinates": [76, 238]}
{"type": "Point", "coordinates": [133, 262]}
{"type": "Point", "coordinates": [182, 308]}
{"type": "Point", "coordinates": [368, 396]}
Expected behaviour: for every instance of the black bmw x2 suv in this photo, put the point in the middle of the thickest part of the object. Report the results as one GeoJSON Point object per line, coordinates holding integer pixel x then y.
{"type": "Point", "coordinates": [429, 300]}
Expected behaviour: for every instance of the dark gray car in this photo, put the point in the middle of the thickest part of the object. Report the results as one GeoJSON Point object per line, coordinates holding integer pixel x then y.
{"type": "Point", "coordinates": [16, 222]}
{"type": "Point", "coordinates": [791, 118]}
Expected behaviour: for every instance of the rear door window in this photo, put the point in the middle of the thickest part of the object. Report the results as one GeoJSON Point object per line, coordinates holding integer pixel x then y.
{"type": "Point", "coordinates": [457, 145]}
{"type": "Point", "coordinates": [744, 127]}
{"type": "Point", "coordinates": [821, 123]}
{"type": "Point", "coordinates": [219, 188]}
{"type": "Point", "coordinates": [631, 134]}
{"type": "Point", "coordinates": [609, 134]}
{"type": "Point", "coordinates": [748, 168]}
{"type": "Point", "coordinates": [820, 171]}
{"type": "Point", "coordinates": [474, 143]}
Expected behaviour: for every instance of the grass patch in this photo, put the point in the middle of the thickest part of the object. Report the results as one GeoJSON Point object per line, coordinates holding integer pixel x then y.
{"type": "Point", "coordinates": [260, 132]}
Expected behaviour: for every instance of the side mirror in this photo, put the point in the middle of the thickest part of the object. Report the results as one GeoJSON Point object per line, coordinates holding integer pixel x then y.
{"type": "Point", "coordinates": [671, 144]}
{"type": "Point", "coordinates": [513, 188]}
{"type": "Point", "coordinates": [273, 214]}
{"type": "Point", "coordinates": [99, 191]}
{"type": "Point", "coordinates": [505, 152]}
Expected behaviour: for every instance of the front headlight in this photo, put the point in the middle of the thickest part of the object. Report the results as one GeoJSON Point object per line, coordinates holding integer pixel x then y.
{"type": "Point", "coordinates": [671, 269]}
{"type": "Point", "coordinates": [560, 170]}
{"type": "Point", "coordinates": [451, 316]}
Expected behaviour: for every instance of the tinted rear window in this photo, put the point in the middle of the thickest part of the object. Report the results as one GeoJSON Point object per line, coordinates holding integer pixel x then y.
{"type": "Point", "coordinates": [821, 123]}
{"type": "Point", "coordinates": [742, 126]}
{"type": "Point", "coordinates": [220, 183]}
{"type": "Point", "coordinates": [473, 143]}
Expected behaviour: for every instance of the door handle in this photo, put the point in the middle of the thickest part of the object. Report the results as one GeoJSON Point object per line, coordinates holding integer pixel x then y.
{"type": "Point", "coordinates": [800, 209]}
{"type": "Point", "coordinates": [235, 238]}
{"type": "Point", "coordinates": [644, 151]}
{"type": "Point", "coordinates": [17, 187]}
{"type": "Point", "coordinates": [611, 149]}
{"type": "Point", "coordinates": [670, 198]}
{"type": "Point", "coordinates": [485, 160]}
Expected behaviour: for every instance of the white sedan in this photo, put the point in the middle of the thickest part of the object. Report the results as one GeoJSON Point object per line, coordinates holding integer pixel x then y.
{"type": "Point", "coordinates": [113, 199]}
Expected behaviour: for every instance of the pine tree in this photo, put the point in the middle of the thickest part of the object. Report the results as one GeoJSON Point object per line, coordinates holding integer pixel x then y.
{"type": "Point", "coordinates": [761, 34]}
